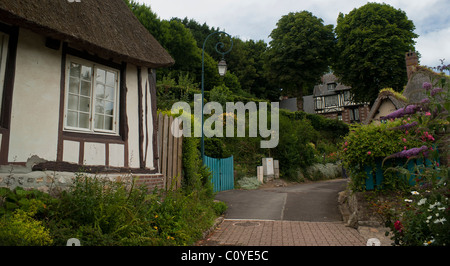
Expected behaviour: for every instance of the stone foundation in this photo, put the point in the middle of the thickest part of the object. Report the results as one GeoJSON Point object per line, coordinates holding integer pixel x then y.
{"type": "Point", "coordinates": [46, 181]}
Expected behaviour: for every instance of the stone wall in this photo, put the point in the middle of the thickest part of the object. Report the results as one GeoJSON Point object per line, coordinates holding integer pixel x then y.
{"type": "Point", "coordinates": [46, 181]}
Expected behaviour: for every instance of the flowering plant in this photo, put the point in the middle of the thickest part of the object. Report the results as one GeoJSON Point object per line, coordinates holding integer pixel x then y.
{"type": "Point", "coordinates": [425, 216]}
{"type": "Point", "coordinates": [368, 144]}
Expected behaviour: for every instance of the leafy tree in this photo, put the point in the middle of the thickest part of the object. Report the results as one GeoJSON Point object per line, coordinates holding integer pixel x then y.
{"type": "Point", "coordinates": [181, 45]}
{"type": "Point", "coordinates": [371, 44]}
{"type": "Point", "coordinates": [299, 53]}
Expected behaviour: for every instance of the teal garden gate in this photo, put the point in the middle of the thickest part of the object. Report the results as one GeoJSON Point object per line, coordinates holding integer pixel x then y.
{"type": "Point", "coordinates": [222, 172]}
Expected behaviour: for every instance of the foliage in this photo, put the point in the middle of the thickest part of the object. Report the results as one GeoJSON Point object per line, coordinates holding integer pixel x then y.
{"type": "Point", "coordinates": [396, 94]}
{"type": "Point", "coordinates": [249, 183]}
{"type": "Point", "coordinates": [101, 212]}
{"type": "Point", "coordinates": [220, 94]}
{"type": "Point", "coordinates": [295, 136]}
{"type": "Point", "coordinates": [323, 171]}
{"type": "Point", "coordinates": [371, 44]}
{"type": "Point", "coordinates": [22, 229]}
{"type": "Point", "coordinates": [419, 215]}
{"type": "Point", "coordinates": [300, 52]}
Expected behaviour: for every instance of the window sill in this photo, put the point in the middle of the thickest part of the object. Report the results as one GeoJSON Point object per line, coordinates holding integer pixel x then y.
{"type": "Point", "coordinates": [92, 137]}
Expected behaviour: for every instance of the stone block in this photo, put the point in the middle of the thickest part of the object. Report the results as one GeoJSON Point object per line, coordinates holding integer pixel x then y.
{"type": "Point", "coordinates": [260, 175]}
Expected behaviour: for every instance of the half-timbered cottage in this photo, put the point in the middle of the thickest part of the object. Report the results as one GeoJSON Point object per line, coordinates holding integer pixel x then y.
{"type": "Point", "coordinates": [335, 100]}
{"type": "Point", "coordinates": [77, 87]}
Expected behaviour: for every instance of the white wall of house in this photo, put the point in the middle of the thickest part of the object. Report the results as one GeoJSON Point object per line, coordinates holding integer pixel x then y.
{"type": "Point", "coordinates": [386, 107]}
{"type": "Point", "coordinates": [133, 116]}
{"type": "Point", "coordinates": [35, 111]}
{"type": "Point", "coordinates": [35, 107]}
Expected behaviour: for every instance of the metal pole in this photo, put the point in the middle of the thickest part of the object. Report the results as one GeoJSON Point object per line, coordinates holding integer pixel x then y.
{"type": "Point", "coordinates": [221, 44]}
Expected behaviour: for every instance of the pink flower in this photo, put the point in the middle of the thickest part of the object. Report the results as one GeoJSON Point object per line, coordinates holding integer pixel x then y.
{"type": "Point", "coordinates": [369, 153]}
{"type": "Point", "coordinates": [427, 113]}
{"type": "Point", "coordinates": [345, 149]}
{"type": "Point", "coordinates": [404, 140]}
{"type": "Point", "coordinates": [404, 148]}
{"type": "Point", "coordinates": [398, 226]}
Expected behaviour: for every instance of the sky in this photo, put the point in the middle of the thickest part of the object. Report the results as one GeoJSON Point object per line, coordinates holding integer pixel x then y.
{"type": "Point", "coordinates": [255, 19]}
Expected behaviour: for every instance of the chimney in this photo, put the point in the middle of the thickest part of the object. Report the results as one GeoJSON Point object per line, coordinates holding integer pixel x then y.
{"type": "Point", "coordinates": [412, 62]}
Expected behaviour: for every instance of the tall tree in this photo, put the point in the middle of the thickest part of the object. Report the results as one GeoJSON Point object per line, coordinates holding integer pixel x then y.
{"type": "Point", "coordinates": [180, 43]}
{"type": "Point", "coordinates": [299, 53]}
{"type": "Point", "coordinates": [370, 53]}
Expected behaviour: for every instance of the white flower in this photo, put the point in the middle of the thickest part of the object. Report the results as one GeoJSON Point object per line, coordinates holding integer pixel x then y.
{"type": "Point", "coordinates": [426, 243]}
{"type": "Point", "coordinates": [408, 200]}
{"type": "Point", "coordinates": [422, 201]}
{"type": "Point", "coordinates": [441, 208]}
{"type": "Point", "coordinates": [435, 204]}
{"type": "Point", "coordinates": [442, 220]}
{"type": "Point", "coordinates": [414, 192]}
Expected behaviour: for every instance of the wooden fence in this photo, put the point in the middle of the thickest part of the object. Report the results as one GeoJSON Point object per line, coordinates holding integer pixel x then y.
{"type": "Point", "coordinates": [170, 150]}
{"type": "Point", "coordinates": [375, 175]}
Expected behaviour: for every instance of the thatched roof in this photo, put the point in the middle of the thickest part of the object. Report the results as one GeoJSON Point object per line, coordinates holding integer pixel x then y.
{"type": "Point", "coordinates": [383, 96]}
{"type": "Point", "coordinates": [107, 28]}
{"type": "Point", "coordinates": [414, 90]}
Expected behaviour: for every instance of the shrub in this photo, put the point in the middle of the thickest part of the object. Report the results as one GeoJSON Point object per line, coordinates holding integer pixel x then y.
{"type": "Point", "coordinates": [420, 217]}
{"type": "Point", "coordinates": [363, 147]}
{"type": "Point", "coordinates": [249, 183]}
{"type": "Point", "coordinates": [21, 229]}
{"type": "Point", "coordinates": [293, 150]}
{"type": "Point", "coordinates": [102, 212]}
{"type": "Point", "coordinates": [324, 171]}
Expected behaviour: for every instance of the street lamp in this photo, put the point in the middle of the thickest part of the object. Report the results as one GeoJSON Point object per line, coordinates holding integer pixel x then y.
{"type": "Point", "coordinates": [222, 67]}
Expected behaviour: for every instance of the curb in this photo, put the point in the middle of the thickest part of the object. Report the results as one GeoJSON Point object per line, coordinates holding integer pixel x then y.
{"type": "Point", "coordinates": [217, 222]}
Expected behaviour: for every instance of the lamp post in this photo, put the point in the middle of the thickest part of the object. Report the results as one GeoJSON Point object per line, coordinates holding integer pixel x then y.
{"type": "Point", "coordinates": [222, 68]}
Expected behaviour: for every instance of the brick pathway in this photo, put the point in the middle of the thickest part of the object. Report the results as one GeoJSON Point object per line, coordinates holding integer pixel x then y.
{"type": "Point", "coordinates": [283, 233]}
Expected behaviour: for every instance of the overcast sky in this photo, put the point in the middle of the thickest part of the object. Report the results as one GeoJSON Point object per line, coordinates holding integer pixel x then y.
{"type": "Point", "coordinates": [255, 19]}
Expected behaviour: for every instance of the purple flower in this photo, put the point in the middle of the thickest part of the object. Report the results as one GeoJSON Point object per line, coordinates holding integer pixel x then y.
{"type": "Point", "coordinates": [409, 153]}
{"type": "Point", "coordinates": [435, 90]}
{"type": "Point", "coordinates": [410, 109]}
{"type": "Point", "coordinates": [427, 86]}
{"type": "Point", "coordinates": [426, 100]}
{"type": "Point", "coordinates": [408, 126]}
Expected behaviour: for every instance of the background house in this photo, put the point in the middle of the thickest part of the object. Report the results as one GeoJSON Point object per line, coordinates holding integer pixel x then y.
{"type": "Point", "coordinates": [78, 91]}
{"type": "Point", "coordinates": [332, 100]}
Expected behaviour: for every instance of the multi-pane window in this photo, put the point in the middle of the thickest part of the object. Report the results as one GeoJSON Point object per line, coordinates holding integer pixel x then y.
{"type": "Point", "coordinates": [3, 54]}
{"type": "Point", "coordinates": [331, 100]}
{"type": "Point", "coordinates": [354, 115]}
{"type": "Point", "coordinates": [92, 98]}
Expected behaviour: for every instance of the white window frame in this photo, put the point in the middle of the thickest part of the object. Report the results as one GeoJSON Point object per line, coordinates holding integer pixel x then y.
{"type": "Point", "coordinates": [4, 40]}
{"type": "Point", "coordinates": [116, 111]}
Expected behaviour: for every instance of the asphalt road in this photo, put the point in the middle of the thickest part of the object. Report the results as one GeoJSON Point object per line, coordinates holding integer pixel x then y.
{"type": "Point", "coordinates": [312, 202]}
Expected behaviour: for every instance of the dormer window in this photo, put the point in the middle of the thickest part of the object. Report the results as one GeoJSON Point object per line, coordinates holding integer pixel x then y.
{"type": "Point", "coordinates": [331, 86]}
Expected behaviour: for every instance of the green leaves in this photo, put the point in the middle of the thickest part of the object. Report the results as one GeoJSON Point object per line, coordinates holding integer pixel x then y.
{"type": "Point", "coordinates": [371, 43]}
{"type": "Point", "coordinates": [300, 51]}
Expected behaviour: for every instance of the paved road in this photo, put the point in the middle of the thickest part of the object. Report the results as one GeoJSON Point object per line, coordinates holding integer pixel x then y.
{"type": "Point", "coordinates": [312, 202]}
{"type": "Point", "coordinates": [298, 215]}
